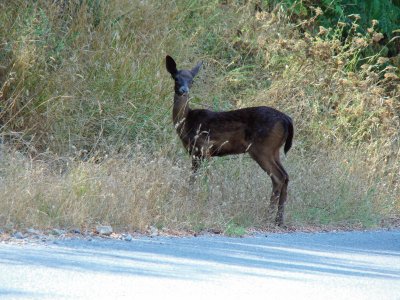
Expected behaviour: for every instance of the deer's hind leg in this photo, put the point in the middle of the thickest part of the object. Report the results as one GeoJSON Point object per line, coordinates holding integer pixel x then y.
{"type": "Point", "coordinates": [279, 178]}
{"type": "Point", "coordinates": [283, 194]}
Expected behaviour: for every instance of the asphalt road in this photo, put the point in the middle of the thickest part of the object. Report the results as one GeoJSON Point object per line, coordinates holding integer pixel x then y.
{"type": "Point", "coordinates": [351, 265]}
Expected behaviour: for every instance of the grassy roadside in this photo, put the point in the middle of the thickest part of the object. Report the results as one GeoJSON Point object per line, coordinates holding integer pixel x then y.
{"type": "Point", "coordinates": [133, 192]}
{"type": "Point", "coordinates": [85, 113]}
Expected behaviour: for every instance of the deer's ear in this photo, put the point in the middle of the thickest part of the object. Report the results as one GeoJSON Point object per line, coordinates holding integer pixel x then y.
{"type": "Point", "coordinates": [171, 65]}
{"type": "Point", "coordinates": [196, 69]}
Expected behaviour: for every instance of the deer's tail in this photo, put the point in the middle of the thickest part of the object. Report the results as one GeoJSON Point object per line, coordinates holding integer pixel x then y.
{"type": "Point", "coordinates": [290, 133]}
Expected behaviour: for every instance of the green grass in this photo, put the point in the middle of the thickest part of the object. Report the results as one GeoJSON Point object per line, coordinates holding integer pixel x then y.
{"type": "Point", "coordinates": [235, 230]}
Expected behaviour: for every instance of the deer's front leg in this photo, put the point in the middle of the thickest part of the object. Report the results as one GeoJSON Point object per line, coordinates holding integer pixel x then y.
{"type": "Point", "coordinates": [196, 162]}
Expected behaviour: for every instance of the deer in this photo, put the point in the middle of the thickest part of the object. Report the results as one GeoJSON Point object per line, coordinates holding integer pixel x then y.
{"type": "Point", "coordinates": [259, 131]}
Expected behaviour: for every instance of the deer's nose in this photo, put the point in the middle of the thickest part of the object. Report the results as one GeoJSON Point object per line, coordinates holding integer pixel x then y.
{"type": "Point", "coordinates": [184, 90]}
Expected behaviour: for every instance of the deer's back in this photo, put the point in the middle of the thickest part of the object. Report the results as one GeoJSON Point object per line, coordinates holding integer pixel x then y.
{"type": "Point", "coordinates": [232, 132]}
{"type": "Point", "coordinates": [252, 121]}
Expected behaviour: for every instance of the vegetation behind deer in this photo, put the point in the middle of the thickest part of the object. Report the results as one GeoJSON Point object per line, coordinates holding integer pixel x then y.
{"type": "Point", "coordinates": [85, 114]}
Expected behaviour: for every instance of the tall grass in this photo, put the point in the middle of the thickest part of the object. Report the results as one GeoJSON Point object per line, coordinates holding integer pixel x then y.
{"type": "Point", "coordinates": [86, 103]}
{"type": "Point", "coordinates": [133, 192]}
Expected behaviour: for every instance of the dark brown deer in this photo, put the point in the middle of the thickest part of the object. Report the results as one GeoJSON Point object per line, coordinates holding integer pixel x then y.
{"type": "Point", "coordinates": [260, 131]}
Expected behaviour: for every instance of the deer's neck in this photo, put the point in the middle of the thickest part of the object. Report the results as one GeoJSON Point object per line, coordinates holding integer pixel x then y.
{"type": "Point", "coordinates": [180, 111]}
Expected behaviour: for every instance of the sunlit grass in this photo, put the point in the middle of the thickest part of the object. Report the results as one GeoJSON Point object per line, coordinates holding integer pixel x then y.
{"type": "Point", "coordinates": [86, 117]}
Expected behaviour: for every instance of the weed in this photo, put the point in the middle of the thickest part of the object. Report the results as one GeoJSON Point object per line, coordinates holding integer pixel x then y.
{"type": "Point", "coordinates": [233, 229]}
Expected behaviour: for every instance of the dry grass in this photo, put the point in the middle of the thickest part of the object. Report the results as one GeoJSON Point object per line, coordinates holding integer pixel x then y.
{"type": "Point", "coordinates": [78, 89]}
{"type": "Point", "coordinates": [129, 192]}
{"type": "Point", "coordinates": [132, 192]}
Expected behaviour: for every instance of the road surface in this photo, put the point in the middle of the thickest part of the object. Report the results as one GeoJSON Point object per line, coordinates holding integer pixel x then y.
{"type": "Point", "coordinates": [347, 265]}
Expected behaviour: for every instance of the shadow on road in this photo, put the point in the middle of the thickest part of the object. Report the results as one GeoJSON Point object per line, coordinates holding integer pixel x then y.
{"type": "Point", "coordinates": [356, 254]}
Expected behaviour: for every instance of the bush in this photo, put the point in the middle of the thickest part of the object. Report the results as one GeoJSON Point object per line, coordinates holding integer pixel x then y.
{"type": "Point", "coordinates": [328, 13]}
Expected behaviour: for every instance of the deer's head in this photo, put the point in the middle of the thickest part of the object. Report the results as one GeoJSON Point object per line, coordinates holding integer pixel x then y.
{"type": "Point", "coordinates": [183, 78]}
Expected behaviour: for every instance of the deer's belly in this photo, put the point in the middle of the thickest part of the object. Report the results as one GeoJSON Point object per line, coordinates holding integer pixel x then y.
{"type": "Point", "coordinates": [212, 148]}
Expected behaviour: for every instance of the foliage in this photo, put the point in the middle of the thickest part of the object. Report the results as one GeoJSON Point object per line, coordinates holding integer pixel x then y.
{"type": "Point", "coordinates": [385, 12]}
{"type": "Point", "coordinates": [83, 81]}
